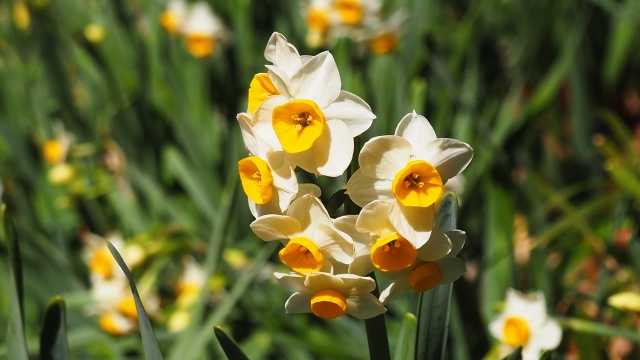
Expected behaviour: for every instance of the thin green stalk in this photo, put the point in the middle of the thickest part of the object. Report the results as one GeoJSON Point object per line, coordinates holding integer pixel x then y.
{"type": "Point", "coordinates": [376, 327]}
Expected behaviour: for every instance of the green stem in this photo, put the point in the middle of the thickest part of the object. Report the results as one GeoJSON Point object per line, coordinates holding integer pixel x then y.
{"type": "Point", "coordinates": [376, 327]}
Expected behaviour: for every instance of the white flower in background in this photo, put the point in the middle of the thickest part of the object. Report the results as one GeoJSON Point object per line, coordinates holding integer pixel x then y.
{"type": "Point", "coordinates": [101, 263]}
{"type": "Point", "coordinates": [312, 242]}
{"type": "Point", "coordinates": [311, 119]}
{"type": "Point", "coordinates": [384, 36]}
{"type": "Point", "coordinates": [357, 12]}
{"type": "Point", "coordinates": [411, 168]}
{"type": "Point", "coordinates": [430, 269]}
{"type": "Point", "coordinates": [389, 250]}
{"type": "Point", "coordinates": [190, 284]}
{"type": "Point", "coordinates": [320, 19]}
{"type": "Point", "coordinates": [201, 29]}
{"type": "Point", "coordinates": [173, 16]}
{"type": "Point", "coordinates": [330, 296]}
{"type": "Point", "coordinates": [266, 176]}
{"type": "Point", "coordinates": [524, 322]}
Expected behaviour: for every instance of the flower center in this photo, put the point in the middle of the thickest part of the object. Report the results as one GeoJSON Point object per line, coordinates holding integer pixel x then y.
{"type": "Point", "coordinates": [328, 304]}
{"type": "Point", "coordinates": [417, 184]}
{"type": "Point", "coordinates": [425, 277]}
{"type": "Point", "coordinates": [317, 20]}
{"type": "Point", "coordinates": [516, 331]}
{"type": "Point", "coordinates": [101, 263]}
{"type": "Point", "coordinates": [53, 152]}
{"type": "Point", "coordinates": [302, 256]}
{"type": "Point", "coordinates": [298, 124]}
{"type": "Point", "coordinates": [256, 179]}
{"type": "Point", "coordinates": [200, 45]}
{"type": "Point", "coordinates": [384, 43]}
{"type": "Point", "coordinates": [260, 89]}
{"type": "Point", "coordinates": [350, 11]}
{"type": "Point", "coordinates": [393, 253]}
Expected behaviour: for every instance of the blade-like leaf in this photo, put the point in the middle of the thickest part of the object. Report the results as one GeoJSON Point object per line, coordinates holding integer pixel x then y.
{"type": "Point", "coordinates": [406, 347]}
{"type": "Point", "coordinates": [230, 347]}
{"type": "Point", "coordinates": [515, 355]}
{"type": "Point", "coordinates": [16, 344]}
{"type": "Point", "coordinates": [335, 202]}
{"type": "Point", "coordinates": [149, 341]}
{"type": "Point", "coordinates": [433, 308]}
{"type": "Point", "coordinates": [53, 338]}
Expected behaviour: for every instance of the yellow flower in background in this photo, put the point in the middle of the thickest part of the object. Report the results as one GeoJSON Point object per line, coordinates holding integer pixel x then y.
{"type": "Point", "coordinates": [524, 322]}
{"type": "Point", "coordinates": [190, 284]}
{"type": "Point", "coordinates": [410, 168]}
{"type": "Point", "coordinates": [95, 33]}
{"type": "Point", "coordinates": [311, 119]}
{"type": "Point", "coordinates": [330, 296]}
{"type": "Point", "coordinates": [20, 15]}
{"type": "Point", "coordinates": [384, 36]}
{"type": "Point", "coordinates": [626, 300]}
{"type": "Point", "coordinates": [312, 241]}
{"type": "Point", "coordinates": [431, 268]}
{"type": "Point", "coordinates": [201, 30]}
{"type": "Point", "coordinates": [173, 16]}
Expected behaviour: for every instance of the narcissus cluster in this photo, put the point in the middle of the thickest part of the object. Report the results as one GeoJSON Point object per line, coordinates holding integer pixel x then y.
{"type": "Point", "coordinates": [299, 118]}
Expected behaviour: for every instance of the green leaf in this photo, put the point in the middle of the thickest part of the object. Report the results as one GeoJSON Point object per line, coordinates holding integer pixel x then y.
{"type": "Point", "coordinates": [595, 328]}
{"type": "Point", "coordinates": [433, 322]}
{"type": "Point", "coordinates": [53, 338]}
{"type": "Point", "coordinates": [336, 201]}
{"type": "Point", "coordinates": [433, 308]}
{"type": "Point", "coordinates": [17, 345]}
{"type": "Point", "coordinates": [546, 355]}
{"type": "Point", "coordinates": [230, 347]}
{"type": "Point", "coordinates": [406, 347]}
{"type": "Point", "coordinates": [516, 354]}
{"type": "Point", "coordinates": [149, 341]}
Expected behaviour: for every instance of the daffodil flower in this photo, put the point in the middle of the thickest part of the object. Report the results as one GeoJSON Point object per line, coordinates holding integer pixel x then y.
{"type": "Point", "coordinates": [524, 322]}
{"type": "Point", "coordinates": [173, 16]}
{"type": "Point", "coordinates": [330, 296]}
{"type": "Point", "coordinates": [432, 267]}
{"type": "Point", "coordinates": [310, 118]}
{"type": "Point", "coordinates": [312, 242]}
{"type": "Point", "coordinates": [201, 30]}
{"type": "Point", "coordinates": [190, 284]}
{"type": "Point", "coordinates": [266, 176]}
{"type": "Point", "coordinates": [361, 264]}
{"type": "Point", "coordinates": [411, 168]}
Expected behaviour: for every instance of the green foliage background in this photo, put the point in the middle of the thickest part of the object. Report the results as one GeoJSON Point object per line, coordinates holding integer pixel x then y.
{"type": "Point", "coordinates": [546, 92]}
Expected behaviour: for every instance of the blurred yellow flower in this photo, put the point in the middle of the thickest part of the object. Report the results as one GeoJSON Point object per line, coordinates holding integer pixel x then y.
{"type": "Point", "coordinates": [524, 322]}
{"type": "Point", "coordinates": [94, 33]}
{"type": "Point", "coordinates": [626, 300]}
{"type": "Point", "coordinates": [201, 29]}
{"type": "Point", "coordinates": [20, 15]}
{"type": "Point", "coordinates": [173, 17]}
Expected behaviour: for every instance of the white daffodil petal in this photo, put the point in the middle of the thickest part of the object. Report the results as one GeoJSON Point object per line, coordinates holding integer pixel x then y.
{"type": "Point", "coordinates": [245, 121]}
{"type": "Point", "coordinates": [458, 238]}
{"type": "Point", "coordinates": [364, 306]}
{"type": "Point", "coordinates": [309, 189]}
{"type": "Point", "coordinates": [416, 129]}
{"type": "Point", "coordinates": [333, 149]}
{"type": "Point", "coordinates": [310, 213]}
{"type": "Point", "coordinates": [374, 218]}
{"type": "Point", "coordinates": [496, 327]}
{"type": "Point", "coordinates": [395, 289]}
{"type": "Point", "coordinates": [449, 156]}
{"type": "Point", "coordinates": [275, 227]}
{"type": "Point", "coordinates": [351, 109]}
{"type": "Point", "coordinates": [452, 268]}
{"type": "Point", "coordinates": [552, 335]}
{"type": "Point", "coordinates": [282, 54]}
{"type": "Point", "coordinates": [298, 303]}
{"type": "Point", "coordinates": [355, 284]}
{"type": "Point", "coordinates": [531, 307]}
{"type": "Point", "coordinates": [361, 264]}
{"type": "Point", "coordinates": [280, 79]}
{"type": "Point", "coordinates": [334, 243]}
{"type": "Point", "coordinates": [293, 281]}
{"type": "Point", "coordinates": [318, 79]}
{"type": "Point", "coordinates": [363, 189]}
{"type": "Point", "coordinates": [413, 223]}
{"type": "Point", "coordinates": [438, 246]}
{"type": "Point", "coordinates": [383, 156]}
{"type": "Point", "coordinates": [317, 281]}
{"type": "Point", "coordinates": [263, 123]}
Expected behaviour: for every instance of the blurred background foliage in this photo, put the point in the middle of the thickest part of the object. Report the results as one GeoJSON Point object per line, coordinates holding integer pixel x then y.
{"type": "Point", "coordinates": [546, 92]}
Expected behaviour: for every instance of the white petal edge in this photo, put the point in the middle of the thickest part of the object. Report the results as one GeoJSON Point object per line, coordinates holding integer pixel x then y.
{"type": "Point", "coordinates": [352, 110]}
{"type": "Point", "coordinates": [383, 157]}
{"type": "Point", "coordinates": [363, 189]}
{"type": "Point", "coordinates": [416, 129]}
{"type": "Point", "coordinates": [318, 79]}
{"type": "Point", "coordinates": [275, 227]}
